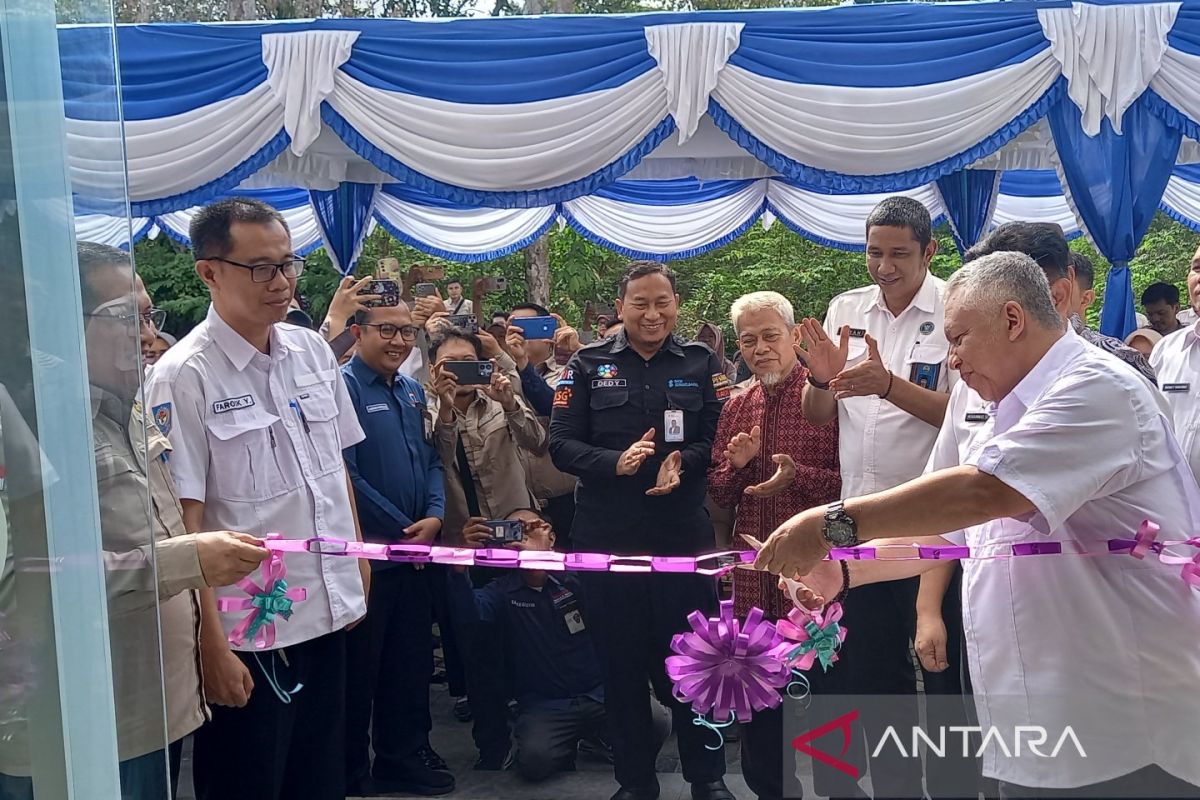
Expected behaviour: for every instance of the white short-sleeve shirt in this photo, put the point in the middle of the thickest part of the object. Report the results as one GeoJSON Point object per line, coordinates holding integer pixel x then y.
{"type": "Point", "coordinates": [1101, 644]}
{"type": "Point", "coordinates": [1176, 361]}
{"type": "Point", "coordinates": [258, 439]}
{"type": "Point", "coordinates": [880, 445]}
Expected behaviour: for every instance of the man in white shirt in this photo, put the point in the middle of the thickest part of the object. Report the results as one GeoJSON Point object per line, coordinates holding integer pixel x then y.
{"type": "Point", "coordinates": [879, 366]}
{"type": "Point", "coordinates": [456, 303]}
{"type": "Point", "coordinates": [1176, 360]}
{"type": "Point", "coordinates": [1074, 451]}
{"type": "Point", "coordinates": [258, 417]}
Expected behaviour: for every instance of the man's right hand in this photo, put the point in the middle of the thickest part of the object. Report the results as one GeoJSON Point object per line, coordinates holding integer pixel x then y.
{"type": "Point", "coordinates": [823, 357]}
{"type": "Point", "coordinates": [445, 386]}
{"type": "Point", "coordinates": [425, 307]}
{"type": "Point", "coordinates": [514, 340]}
{"type": "Point", "coordinates": [227, 682]}
{"type": "Point", "coordinates": [744, 447]}
{"type": "Point", "coordinates": [475, 533]}
{"type": "Point", "coordinates": [632, 459]}
{"type": "Point", "coordinates": [226, 556]}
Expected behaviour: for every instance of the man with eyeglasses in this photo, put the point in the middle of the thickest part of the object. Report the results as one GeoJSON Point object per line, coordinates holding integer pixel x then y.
{"type": "Point", "coordinates": [259, 418]}
{"type": "Point", "coordinates": [399, 488]}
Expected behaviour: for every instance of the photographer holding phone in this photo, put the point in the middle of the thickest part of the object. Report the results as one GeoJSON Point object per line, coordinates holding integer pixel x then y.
{"type": "Point", "coordinates": [480, 427]}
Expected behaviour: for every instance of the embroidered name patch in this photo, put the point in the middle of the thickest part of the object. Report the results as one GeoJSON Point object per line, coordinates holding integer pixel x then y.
{"type": "Point", "coordinates": [609, 383]}
{"type": "Point", "coordinates": [374, 407]}
{"type": "Point", "coordinates": [1176, 387]}
{"type": "Point", "coordinates": [232, 404]}
{"type": "Point", "coordinates": [977, 416]}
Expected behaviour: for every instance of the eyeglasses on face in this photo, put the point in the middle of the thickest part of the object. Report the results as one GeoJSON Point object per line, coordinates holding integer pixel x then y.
{"type": "Point", "coordinates": [265, 273]}
{"type": "Point", "coordinates": [388, 331]}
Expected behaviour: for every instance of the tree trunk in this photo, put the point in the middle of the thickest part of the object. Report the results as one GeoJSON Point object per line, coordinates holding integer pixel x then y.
{"type": "Point", "coordinates": [537, 272]}
{"type": "Point", "coordinates": [242, 9]}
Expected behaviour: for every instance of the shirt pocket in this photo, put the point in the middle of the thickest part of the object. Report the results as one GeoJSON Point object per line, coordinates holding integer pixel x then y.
{"type": "Point", "coordinates": [245, 459]}
{"type": "Point", "coordinates": [317, 398]}
{"type": "Point", "coordinates": [926, 365]}
{"type": "Point", "coordinates": [856, 351]}
{"type": "Point", "coordinates": [608, 399]}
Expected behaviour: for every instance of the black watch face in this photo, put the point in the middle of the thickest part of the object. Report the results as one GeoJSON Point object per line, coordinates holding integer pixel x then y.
{"type": "Point", "coordinates": [840, 533]}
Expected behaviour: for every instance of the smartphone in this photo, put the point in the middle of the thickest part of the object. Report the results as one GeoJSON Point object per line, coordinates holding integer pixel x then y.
{"type": "Point", "coordinates": [496, 284]}
{"type": "Point", "coordinates": [468, 322]}
{"type": "Point", "coordinates": [536, 327]}
{"type": "Point", "coordinates": [471, 373]}
{"type": "Point", "coordinates": [387, 289]}
{"type": "Point", "coordinates": [388, 266]}
{"type": "Point", "coordinates": [506, 531]}
{"type": "Point", "coordinates": [426, 290]}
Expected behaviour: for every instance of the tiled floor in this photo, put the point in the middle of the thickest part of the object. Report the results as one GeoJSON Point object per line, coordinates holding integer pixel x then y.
{"type": "Point", "coordinates": [593, 779]}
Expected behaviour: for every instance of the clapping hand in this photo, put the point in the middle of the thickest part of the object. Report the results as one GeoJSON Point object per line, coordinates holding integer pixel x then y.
{"type": "Point", "coordinates": [669, 475]}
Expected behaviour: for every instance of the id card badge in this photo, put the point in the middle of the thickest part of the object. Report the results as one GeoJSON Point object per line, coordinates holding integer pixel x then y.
{"type": "Point", "coordinates": [574, 621]}
{"type": "Point", "coordinates": [673, 425]}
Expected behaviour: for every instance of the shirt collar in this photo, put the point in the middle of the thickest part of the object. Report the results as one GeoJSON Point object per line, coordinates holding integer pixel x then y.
{"type": "Point", "coordinates": [363, 372]}
{"type": "Point", "coordinates": [239, 351]}
{"type": "Point", "coordinates": [673, 344]}
{"type": "Point", "coordinates": [925, 299]}
{"type": "Point", "coordinates": [1191, 334]}
{"type": "Point", "coordinates": [1027, 391]}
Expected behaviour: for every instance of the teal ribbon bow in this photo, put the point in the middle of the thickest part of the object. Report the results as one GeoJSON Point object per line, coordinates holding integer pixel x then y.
{"type": "Point", "coordinates": [823, 640]}
{"type": "Point", "coordinates": [269, 604]}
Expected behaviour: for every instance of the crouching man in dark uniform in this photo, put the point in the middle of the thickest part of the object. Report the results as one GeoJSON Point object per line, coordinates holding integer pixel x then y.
{"type": "Point", "coordinates": [634, 419]}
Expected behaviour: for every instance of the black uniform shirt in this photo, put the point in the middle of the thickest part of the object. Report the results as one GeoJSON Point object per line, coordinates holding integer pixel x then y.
{"type": "Point", "coordinates": [607, 398]}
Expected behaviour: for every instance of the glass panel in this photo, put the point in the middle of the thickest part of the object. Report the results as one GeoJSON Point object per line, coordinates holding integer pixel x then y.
{"type": "Point", "coordinates": [82, 711]}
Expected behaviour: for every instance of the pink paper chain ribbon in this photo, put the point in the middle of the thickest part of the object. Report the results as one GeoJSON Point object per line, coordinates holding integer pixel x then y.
{"type": "Point", "coordinates": [263, 602]}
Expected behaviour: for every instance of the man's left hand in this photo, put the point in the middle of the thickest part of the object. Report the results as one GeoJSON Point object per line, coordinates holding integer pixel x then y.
{"type": "Point", "coordinates": [669, 475]}
{"type": "Point", "coordinates": [423, 531]}
{"type": "Point", "coordinates": [785, 475]}
{"type": "Point", "coordinates": [867, 379]}
{"type": "Point", "coordinates": [491, 347]}
{"type": "Point", "coordinates": [501, 390]}
{"type": "Point", "coordinates": [797, 546]}
{"type": "Point", "coordinates": [566, 338]}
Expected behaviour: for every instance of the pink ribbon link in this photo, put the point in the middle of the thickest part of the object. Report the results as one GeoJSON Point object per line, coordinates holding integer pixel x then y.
{"type": "Point", "coordinates": [1144, 539]}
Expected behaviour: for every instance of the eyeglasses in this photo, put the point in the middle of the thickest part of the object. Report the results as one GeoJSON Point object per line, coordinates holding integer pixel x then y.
{"type": "Point", "coordinates": [265, 273]}
{"type": "Point", "coordinates": [388, 331]}
{"type": "Point", "coordinates": [120, 310]}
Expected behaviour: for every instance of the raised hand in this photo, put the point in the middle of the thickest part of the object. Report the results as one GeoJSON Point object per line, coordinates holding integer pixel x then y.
{"type": "Point", "coordinates": [785, 475]}
{"type": "Point", "coordinates": [670, 472]}
{"type": "Point", "coordinates": [869, 378]}
{"type": "Point", "coordinates": [743, 447]}
{"type": "Point", "coordinates": [633, 458]}
{"type": "Point", "coordinates": [823, 357]}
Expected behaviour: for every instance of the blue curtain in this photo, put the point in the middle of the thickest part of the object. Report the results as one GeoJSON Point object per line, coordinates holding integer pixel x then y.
{"type": "Point", "coordinates": [967, 195]}
{"type": "Point", "coordinates": [344, 216]}
{"type": "Point", "coordinates": [1116, 183]}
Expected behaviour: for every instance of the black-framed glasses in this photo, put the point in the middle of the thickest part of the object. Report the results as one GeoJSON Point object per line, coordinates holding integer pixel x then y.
{"type": "Point", "coordinates": [155, 317]}
{"type": "Point", "coordinates": [388, 331]}
{"type": "Point", "coordinates": [265, 273]}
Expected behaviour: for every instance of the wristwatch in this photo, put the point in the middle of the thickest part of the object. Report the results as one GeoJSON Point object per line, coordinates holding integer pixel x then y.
{"type": "Point", "coordinates": [840, 529]}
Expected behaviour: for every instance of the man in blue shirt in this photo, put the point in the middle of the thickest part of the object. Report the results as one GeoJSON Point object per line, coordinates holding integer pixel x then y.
{"type": "Point", "coordinates": [550, 664]}
{"type": "Point", "coordinates": [400, 492]}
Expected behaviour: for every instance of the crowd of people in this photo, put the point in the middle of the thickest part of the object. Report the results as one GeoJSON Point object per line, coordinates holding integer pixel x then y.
{"type": "Point", "coordinates": [980, 410]}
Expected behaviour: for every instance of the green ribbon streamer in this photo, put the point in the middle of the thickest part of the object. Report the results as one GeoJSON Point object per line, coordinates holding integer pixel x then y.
{"type": "Point", "coordinates": [823, 640]}
{"type": "Point", "coordinates": [269, 604]}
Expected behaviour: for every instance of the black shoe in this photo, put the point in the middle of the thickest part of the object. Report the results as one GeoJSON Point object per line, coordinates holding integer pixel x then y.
{"type": "Point", "coordinates": [431, 759]}
{"type": "Point", "coordinates": [625, 793]}
{"type": "Point", "coordinates": [717, 790]}
{"type": "Point", "coordinates": [462, 710]}
{"type": "Point", "coordinates": [495, 762]}
{"type": "Point", "coordinates": [414, 777]}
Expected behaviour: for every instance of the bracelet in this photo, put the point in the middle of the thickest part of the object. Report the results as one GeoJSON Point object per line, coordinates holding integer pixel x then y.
{"type": "Point", "coordinates": [823, 386]}
{"type": "Point", "coordinates": [841, 596]}
{"type": "Point", "coordinates": [891, 377]}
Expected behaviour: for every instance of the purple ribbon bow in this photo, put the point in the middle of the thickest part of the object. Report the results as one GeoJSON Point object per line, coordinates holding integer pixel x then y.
{"type": "Point", "coordinates": [729, 668]}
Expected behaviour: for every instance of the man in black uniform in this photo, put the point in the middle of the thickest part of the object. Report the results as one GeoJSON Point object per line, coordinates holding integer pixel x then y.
{"type": "Point", "coordinates": [634, 418]}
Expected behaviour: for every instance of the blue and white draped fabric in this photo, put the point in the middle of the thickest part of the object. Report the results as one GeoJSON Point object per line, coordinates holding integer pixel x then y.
{"type": "Point", "coordinates": [344, 217]}
{"type": "Point", "coordinates": [1034, 195]}
{"type": "Point", "coordinates": [293, 204]}
{"type": "Point", "coordinates": [969, 197]}
{"type": "Point", "coordinates": [1181, 199]}
{"type": "Point", "coordinates": [112, 231]}
{"type": "Point", "coordinates": [837, 220]}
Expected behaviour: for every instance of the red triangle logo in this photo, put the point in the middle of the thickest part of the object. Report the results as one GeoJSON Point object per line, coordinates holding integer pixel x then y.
{"type": "Point", "coordinates": [842, 723]}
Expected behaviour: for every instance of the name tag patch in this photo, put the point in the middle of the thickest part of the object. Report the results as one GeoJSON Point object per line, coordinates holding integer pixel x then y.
{"type": "Point", "coordinates": [233, 404]}
{"type": "Point", "coordinates": [1176, 387]}
{"type": "Point", "coordinates": [376, 407]}
{"type": "Point", "coordinates": [977, 416]}
{"type": "Point", "coordinates": [858, 333]}
{"type": "Point", "coordinates": [609, 383]}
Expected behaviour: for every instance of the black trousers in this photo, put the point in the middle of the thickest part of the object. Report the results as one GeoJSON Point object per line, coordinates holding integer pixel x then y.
{"type": "Point", "coordinates": [388, 665]}
{"type": "Point", "coordinates": [632, 618]}
{"type": "Point", "coordinates": [762, 754]}
{"type": "Point", "coordinates": [880, 620]}
{"type": "Point", "coordinates": [456, 671]}
{"type": "Point", "coordinates": [270, 750]}
{"type": "Point", "coordinates": [547, 736]}
{"type": "Point", "coordinates": [1148, 783]}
